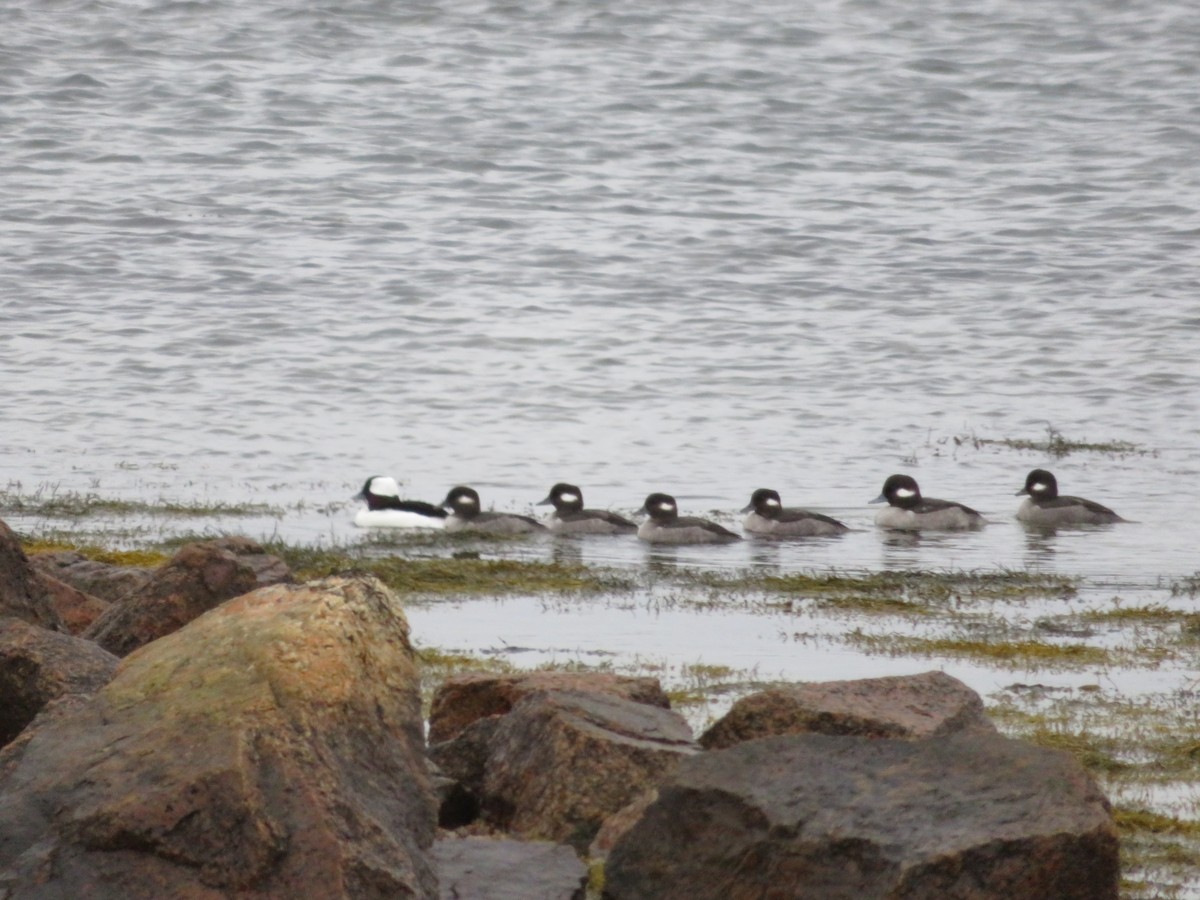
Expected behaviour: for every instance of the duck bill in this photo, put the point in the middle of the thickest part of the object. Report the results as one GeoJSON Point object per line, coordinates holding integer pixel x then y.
{"type": "Point", "coordinates": [1021, 492]}
{"type": "Point", "coordinates": [361, 495]}
{"type": "Point", "coordinates": [880, 499]}
{"type": "Point", "coordinates": [549, 501]}
{"type": "Point", "coordinates": [746, 508]}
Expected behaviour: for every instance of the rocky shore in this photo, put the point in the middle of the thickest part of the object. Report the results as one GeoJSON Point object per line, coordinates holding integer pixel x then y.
{"type": "Point", "coordinates": [212, 729]}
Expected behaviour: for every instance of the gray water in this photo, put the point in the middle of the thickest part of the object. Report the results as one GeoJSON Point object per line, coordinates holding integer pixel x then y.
{"type": "Point", "coordinates": [256, 252]}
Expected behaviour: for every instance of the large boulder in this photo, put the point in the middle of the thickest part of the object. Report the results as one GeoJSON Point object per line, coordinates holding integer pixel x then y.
{"type": "Point", "coordinates": [930, 704]}
{"type": "Point", "coordinates": [37, 666]}
{"type": "Point", "coordinates": [198, 578]}
{"type": "Point", "coordinates": [973, 816]}
{"type": "Point", "coordinates": [272, 748]}
{"type": "Point", "coordinates": [103, 580]}
{"type": "Point", "coordinates": [480, 868]}
{"type": "Point", "coordinates": [561, 762]}
{"type": "Point", "coordinates": [463, 699]}
{"type": "Point", "coordinates": [23, 594]}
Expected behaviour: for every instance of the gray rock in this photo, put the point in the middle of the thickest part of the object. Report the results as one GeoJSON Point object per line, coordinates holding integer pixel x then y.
{"type": "Point", "coordinates": [974, 816]}
{"type": "Point", "coordinates": [561, 762]}
{"type": "Point", "coordinates": [464, 698]}
{"type": "Point", "coordinates": [930, 704]}
{"type": "Point", "coordinates": [477, 868]}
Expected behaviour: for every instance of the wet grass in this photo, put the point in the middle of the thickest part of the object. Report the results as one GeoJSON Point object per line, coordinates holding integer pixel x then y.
{"type": "Point", "coordinates": [1006, 653]}
{"type": "Point", "coordinates": [147, 559]}
{"type": "Point", "coordinates": [47, 501]}
{"type": "Point", "coordinates": [467, 574]}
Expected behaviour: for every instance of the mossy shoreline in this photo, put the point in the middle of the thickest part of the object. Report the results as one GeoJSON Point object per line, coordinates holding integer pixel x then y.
{"type": "Point", "coordinates": [1144, 750]}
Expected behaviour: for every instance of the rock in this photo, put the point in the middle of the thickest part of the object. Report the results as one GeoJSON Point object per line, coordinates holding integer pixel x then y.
{"type": "Point", "coordinates": [23, 595]}
{"type": "Point", "coordinates": [477, 868]}
{"type": "Point", "coordinates": [75, 609]}
{"type": "Point", "coordinates": [473, 695]}
{"type": "Point", "coordinates": [561, 762]}
{"type": "Point", "coordinates": [463, 762]}
{"type": "Point", "coordinates": [37, 665]}
{"type": "Point", "coordinates": [974, 816]}
{"type": "Point", "coordinates": [618, 823]}
{"type": "Point", "coordinates": [98, 579]}
{"type": "Point", "coordinates": [198, 578]}
{"type": "Point", "coordinates": [271, 748]}
{"type": "Point", "coordinates": [930, 704]}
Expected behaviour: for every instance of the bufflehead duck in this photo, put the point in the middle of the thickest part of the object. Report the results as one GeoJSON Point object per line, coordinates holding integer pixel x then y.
{"type": "Point", "coordinates": [665, 526]}
{"type": "Point", "coordinates": [1047, 509]}
{"type": "Point", "coordinates": [908, 511]}
{"type": "Point", "coordinates": [768, 516]}
{"type": "Point", "coordinates": [569, 516]}
{"type": "Point", "coordinates": [466, 515]}
{"type": "Point", "coordinates": [385, 509]}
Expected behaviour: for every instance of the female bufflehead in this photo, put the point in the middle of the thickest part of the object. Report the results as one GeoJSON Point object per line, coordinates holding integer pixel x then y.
{"type": "Point", "coordinates": [467, 516]}
{"type": "Point", "coordinates": [768, 516]}
{"type": "Point", "coordinates": [1047, 509]}
{"type": "Point", "coordinates": [665, 526]}
{"type": "Point", "coordinates": [569, 516]}
{"type": "Point", "coordinates": [908, 511]}
{"type": "Point", "coordinates": [385, 509]}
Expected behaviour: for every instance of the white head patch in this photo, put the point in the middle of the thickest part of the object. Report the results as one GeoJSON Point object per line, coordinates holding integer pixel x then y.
{"type": "Point", "coordinates": [905, 493]}
{"type": "Point", "coordinates": [384, 486]}
{"type": "Point", "coordinates": [569, 497]}
{"type": "Point", "coordinates": [665, 506]}
{"type": "Point", "coordinates": [1039, 487]}
{"type": "Point", "coordinates": [770, 501]}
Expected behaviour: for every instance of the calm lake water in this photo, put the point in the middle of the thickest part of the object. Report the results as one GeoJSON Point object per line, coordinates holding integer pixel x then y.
{"type": "Point", "coordinates": [256, 252]}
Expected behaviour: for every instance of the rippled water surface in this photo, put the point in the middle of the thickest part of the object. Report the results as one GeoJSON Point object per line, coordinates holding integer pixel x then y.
{"type": "Point", "coordinates": [257, 252]}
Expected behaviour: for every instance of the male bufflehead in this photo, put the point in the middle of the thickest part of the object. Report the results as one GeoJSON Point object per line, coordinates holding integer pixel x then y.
{"type": "Point", "coordinates": [768, 516]}
{"type": "Point", "coordinates": [466, 515]}
{"type": "Point", "coordinates": [908, 511]}
{"type": "Point", "coordinates": [1046, 508]}
{"type": "Point", "coordinates": [385, 509]}
{"type": "Point", "coordinates": [569, 516]}
{"type": "Point", "coordinates": [666, 526]}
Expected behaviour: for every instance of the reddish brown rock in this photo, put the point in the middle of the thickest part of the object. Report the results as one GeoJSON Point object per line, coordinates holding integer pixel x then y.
{"type": "Point", "coordinates": [37, 666]}
{"type": "Point", "coordinates": [473, 695]}
{"type": "Point", "coordinates": [198, 578]}
{"type": "Point", "coordinates": [478, 868]}
{"type": "Point", "coordinates": [973, 816]}
{"type": "Point", "coordinates": [23, 595]}
{"type": "Point", "coordinates": [561, 762]}
{"type": "Point", "coordinates": [271, 748]}
{"type": "Point", "coordinates": [101, 580]}
{"type": "Point", "coordinates": [75, 609]}
{"type": "Point", "coordinates": [930, 704]}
